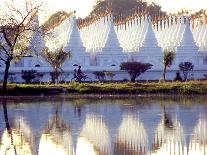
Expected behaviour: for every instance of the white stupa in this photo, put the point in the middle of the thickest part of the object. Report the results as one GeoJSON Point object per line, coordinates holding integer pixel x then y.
{"type": "Point", "coordinates": [75, 46]}
{"type": "Point", "coordinates": [150, 52]}
{"type": "Point", "coordinates": [36, 46]}
{"type": "Point", "coordinates": [112, 54]}
{"type": "Point", "coordinates": [187, 51]}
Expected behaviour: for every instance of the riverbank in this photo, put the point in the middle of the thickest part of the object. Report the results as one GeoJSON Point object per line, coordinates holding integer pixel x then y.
{"type": "Point", "coordinates": [116, 88]}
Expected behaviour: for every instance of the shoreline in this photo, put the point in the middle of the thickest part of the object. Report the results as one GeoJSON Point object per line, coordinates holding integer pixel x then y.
{"type": "Point", "coordinates": [108, 90]}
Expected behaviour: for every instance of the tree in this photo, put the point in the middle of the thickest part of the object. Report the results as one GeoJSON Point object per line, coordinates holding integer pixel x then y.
{"type": "Point", "coordinates": [168, 57]}
{"type": "Point", "coordinates": [15, 27]}
{"type": "Point", "coordinates": [56, 59]}
{"type": "Point", "coordinates": [127, 7]}
{"type": "Point", "coordinates": [30, 75]}
{"type": "Point", "coordinates": [110, 75]}
{"type": "Point", "coordinates": [135, 69]}
{"type": "Point", "coordinates": [186, 67]}
{"type": "Point", "coordinates": [100, 75]}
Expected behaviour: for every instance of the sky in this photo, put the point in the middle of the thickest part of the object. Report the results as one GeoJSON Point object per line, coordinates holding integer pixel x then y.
{"type": "Point", "coordinates": [84, 7]}
{"type": "Point", "coordinates": [176, 5]}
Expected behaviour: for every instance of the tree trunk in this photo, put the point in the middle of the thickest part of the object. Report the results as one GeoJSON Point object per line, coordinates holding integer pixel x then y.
{"type": "Point", "coordinates": [6, 119]}
{"type": "Point", "coordinates": [56, 75]}
{"type": "Point", "coordinates": [6, 74]}
{"type": "Point", "coordinates": [133, 77]}
{"type": "Point", "coordinates": [164, 72]}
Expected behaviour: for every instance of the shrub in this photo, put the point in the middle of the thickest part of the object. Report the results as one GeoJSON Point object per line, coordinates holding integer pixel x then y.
{"type": "Point", "coordinates": [186, 67]}
{"type": "Point", "coordinates": [110, 75]}
{"type": "Point", "coordinates": [100, 75]}
{"type": "Point", "coordinates": [135, 69]}
{"type": "Point", "coordinates": [28, 75]}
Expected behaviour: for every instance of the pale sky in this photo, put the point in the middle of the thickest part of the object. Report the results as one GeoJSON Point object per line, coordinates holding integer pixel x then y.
{"type": "Point", "coordinates": [176, 5]}
{"type": "Point", "coordinates": [84, 7]}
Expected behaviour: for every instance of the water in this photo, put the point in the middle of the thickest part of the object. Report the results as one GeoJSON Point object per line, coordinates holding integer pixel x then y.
{"type": "Point", "coordinates": [143, 126]}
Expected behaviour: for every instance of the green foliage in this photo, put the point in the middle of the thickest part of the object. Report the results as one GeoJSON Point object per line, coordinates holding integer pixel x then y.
{"type": "Point", "coordinates": [56, 59]}
{"type": "Point", "coordinates": [110, 75]}
{"type": "Point", "coordinates": [135, 69]}
{"type": "Point", "coordinates": [186, 67]}
{"type": "Point", "coordinates": [100, 75]}
{"type": "Point", "coordinates": [168, 57]}
{"type": "Point", "coordinates": [168, 88]}
{"type": "Point", "coordinates": [125, 7]}
{"type": "Point", "coordinates": [28, 75]}
{"type": "Point", "coordinates": [54, 20]}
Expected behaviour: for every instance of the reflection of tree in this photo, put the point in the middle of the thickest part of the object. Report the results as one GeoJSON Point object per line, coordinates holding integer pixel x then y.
{"type": "Point", "coordinates": [132, 137]}
{"type": "Point", "coordinates": [169, 136]}
{"type": "Point", "coordinates": [79, 104]}
{"type": "Point", "coordinates": [94, 137]}
{"type": "Point", "coordinates": [8, 128]}
{"type": "Point", "coordinates": [17, 138]}
{"type": "Point", "coordinates": [56, 136]}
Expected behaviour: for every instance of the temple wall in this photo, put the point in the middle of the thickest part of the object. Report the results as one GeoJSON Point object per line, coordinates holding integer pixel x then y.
{"type": "Point", "coordinates": [103, 45]}
{"type": "Point", "coordinates": [67, 75]}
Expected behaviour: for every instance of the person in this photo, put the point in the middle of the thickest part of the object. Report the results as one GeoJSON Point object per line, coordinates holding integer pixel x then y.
{"type": "Point", "coordinates": [79, 74]}
{"type": "Point", "coordinates": [178, 77]}
{"type": "Point", "coordinates": [75, 74]}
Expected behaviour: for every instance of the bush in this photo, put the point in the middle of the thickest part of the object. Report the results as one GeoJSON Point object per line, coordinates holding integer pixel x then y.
{"type": "Point", "coordinates": [186, 67]}
{"type": "Point", "coordinates": [135, 69]}
{"type": "Point", "coordinates": [28, 75]}
{"type": "Point", "coordinates": [110, 75]}
{"type": "Point", "coordinates": [31, 76]}
{"type": "Point", "coordinates": [100, 75]}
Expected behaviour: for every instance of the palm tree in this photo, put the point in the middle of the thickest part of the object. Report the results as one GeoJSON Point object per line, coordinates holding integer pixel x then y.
{"type": "Point", "coordinates": [168, 57]}
{"type": "Point", "coordinates": [56, 59]}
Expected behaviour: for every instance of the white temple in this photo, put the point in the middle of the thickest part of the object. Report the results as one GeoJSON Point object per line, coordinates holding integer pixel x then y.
{"type": "Point", "coordinates": [102, 45]}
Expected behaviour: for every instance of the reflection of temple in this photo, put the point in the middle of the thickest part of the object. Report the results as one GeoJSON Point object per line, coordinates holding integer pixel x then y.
{"type": "Point", "coordinates": [18, 140]}
{"type": "Point", "coordinates": [94, 137]}
{"type": "Point", "coordinates": [106, 130]}
{"type": "Point", "coordinates": [56, 138]}
{"type": "Point", "coordinates": [131, 138]}
{"type": "Point", "coordinates": [198, 143]}
{"type": "Point", "coordinates": [169, 137]}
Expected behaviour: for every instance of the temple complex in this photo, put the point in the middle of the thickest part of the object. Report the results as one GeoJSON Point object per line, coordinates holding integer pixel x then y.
{"type": "Point", "coordinates": [103, 43]}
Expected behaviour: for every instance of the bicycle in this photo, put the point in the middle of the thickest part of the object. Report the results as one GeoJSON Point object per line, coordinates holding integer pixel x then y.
{"type": "Point", "coordinates": [82, 78]}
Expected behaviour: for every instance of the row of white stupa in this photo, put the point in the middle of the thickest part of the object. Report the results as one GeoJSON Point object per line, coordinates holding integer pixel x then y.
{"type": "Point", "coordinates": [103, 46]}
{"type": "Point", "coordinates": [94, 138]}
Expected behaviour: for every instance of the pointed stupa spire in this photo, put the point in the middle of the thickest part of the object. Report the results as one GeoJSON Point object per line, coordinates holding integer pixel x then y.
{"type": "Point", "coordinates": [76, 47]}
{"type": "Point", "coordinates": [75, 44]}
{"type": "Point", "coordinates": [112, 54]}
{"type": "Point", "coordinates": [150, 44]}
{"type": "Point", "coordinates": [187, 44]}
{"type": "Point", "coordinates": [112, 43]}
{"type": "Point", "coordinates": [150, 52]}
{"type": "Point", "coordinates": [37, 42]}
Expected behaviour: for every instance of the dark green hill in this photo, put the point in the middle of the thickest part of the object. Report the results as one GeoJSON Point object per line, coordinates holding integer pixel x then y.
{"type": "Point", "coordinates": [127, 7]}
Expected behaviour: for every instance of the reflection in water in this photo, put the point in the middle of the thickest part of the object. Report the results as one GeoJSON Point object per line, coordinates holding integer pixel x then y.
{"type": "Point", "coordinates": [198, 143]}
{"type": "Point", "coordinates": [132, 137]}
{"type": "Point", "coordinates": [18, 141]}
{"type": "Point", "coordinates": [169, 137]}
{"type": "Point", "coordinates": [94, 137]}
{"type": "Point", "coordinates": [56, 138]}
{"type": "Point", "coordinates": [73, 131]}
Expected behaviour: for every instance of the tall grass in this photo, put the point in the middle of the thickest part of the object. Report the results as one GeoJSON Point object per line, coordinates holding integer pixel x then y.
{"type": "Point", "coordinates": [184, 88]}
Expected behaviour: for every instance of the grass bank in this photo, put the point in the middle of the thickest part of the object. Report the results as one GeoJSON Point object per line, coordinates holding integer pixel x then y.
{"type": "Point", "coordinates": [116, 88]}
